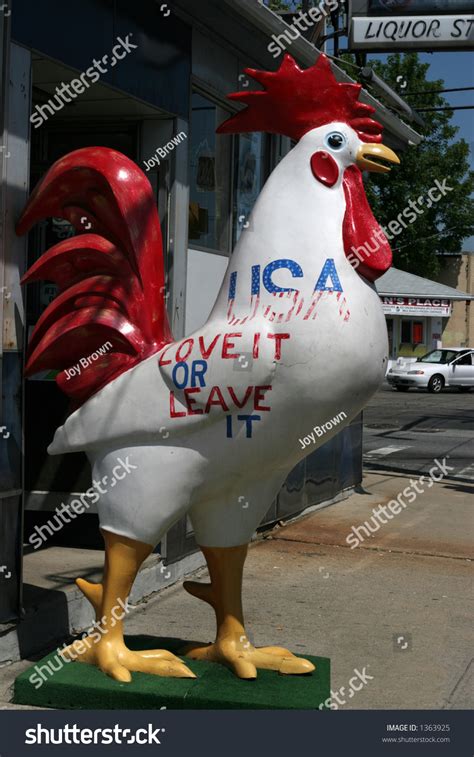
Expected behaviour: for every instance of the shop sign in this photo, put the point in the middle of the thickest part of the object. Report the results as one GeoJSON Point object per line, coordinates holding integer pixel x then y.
{"type": "Point", "coordinates": [428, 306]}
{"type": "Point", "coordinates": [412, 32]}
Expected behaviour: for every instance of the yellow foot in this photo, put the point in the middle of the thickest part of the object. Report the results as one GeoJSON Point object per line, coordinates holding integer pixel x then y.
{"type": "Point", "coordinates": [243, 659]}
{"type": "Point", "coordinates": [119, 662]}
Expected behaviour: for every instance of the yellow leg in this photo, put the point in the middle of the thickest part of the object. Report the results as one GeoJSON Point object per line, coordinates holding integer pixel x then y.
{"type": "Point", "coordinates": [105, 647]}
{"type": "Point", "coordinates": [92, 592]}
{"type": "Point", "coordinates": [232, 647]}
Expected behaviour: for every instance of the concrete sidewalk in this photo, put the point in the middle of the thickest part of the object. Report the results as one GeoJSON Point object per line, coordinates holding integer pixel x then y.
{"type": "Point", "coordinates": [396, 608]}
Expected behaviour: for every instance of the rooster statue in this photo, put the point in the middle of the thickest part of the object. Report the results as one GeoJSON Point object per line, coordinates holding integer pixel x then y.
{"type": "Point", "coordinates": [211, 425]}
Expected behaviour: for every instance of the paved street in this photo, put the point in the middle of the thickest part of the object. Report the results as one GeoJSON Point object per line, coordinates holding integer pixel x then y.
{"type": "Point", "coordinates": [406, 431]}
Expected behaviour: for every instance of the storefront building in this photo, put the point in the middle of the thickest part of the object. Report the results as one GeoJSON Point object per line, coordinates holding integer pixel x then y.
{"type": "Point", "coordinates": [160, 105]}
{"type": "Point", "coordinates": [417, 312]}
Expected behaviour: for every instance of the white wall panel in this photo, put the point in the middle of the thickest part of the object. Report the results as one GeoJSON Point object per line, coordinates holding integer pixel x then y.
{"type": "Point", "coordinates": [205, 274]}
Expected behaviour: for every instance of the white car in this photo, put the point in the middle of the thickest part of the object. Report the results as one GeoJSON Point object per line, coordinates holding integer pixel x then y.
{"type": "Point", "coordinates": [453, 366]}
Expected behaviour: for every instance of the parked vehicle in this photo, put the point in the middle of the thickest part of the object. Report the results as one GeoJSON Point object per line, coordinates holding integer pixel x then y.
{"type": "Point", "coordinates": [452, 366]}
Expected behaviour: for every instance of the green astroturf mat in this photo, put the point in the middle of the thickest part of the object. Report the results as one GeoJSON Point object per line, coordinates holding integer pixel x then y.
{"type": "Point", "coordinates": [79, 686]}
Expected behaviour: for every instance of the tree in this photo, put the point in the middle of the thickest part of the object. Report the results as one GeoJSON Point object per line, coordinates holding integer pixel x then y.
{"type": "Point", "coordinates": [440, 157]}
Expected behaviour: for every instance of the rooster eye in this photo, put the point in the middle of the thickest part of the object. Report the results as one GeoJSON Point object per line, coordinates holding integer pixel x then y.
{"type": "Point", "coordinates": [336, 140]}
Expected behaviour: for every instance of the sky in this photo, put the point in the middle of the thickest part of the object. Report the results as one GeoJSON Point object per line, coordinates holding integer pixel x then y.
{"type": "Point", "coordinates": [457, 70]}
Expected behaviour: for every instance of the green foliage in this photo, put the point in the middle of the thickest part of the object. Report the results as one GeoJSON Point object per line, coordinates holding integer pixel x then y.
{"type": "Point", "coordinates": [444, 226]}
{"type": "Point", "coordinates": [283, 5]}
{"type": "Point", "coordinates": [279, 5]}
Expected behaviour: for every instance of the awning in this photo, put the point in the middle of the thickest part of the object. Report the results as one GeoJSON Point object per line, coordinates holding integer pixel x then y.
{"type": "Point", "coordinates": [400, 283]}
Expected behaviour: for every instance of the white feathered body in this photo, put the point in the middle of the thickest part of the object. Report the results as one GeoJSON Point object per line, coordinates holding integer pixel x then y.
{"type": "Point", "coordinates": [220, 455]}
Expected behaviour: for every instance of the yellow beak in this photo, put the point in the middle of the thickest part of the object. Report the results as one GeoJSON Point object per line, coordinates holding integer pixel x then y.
{"type": "Point", "coordinates": [379, 152]}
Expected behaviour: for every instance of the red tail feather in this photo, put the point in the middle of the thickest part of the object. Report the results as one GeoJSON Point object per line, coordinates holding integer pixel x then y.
{"type": "Point", "coordinates": [111, 281]}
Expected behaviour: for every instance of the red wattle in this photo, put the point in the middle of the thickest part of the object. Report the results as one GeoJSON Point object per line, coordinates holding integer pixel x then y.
{"type": "Point", "coordinates": [365, 244]}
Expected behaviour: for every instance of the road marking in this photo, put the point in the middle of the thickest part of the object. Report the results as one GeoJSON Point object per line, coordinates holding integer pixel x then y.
{"type": "Point", "coordinates": [466, 472]}
{"type": "Point", "coordinates": [384, 451]}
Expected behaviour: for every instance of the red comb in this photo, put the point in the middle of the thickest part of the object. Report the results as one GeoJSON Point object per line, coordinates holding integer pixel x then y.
{"type": "Point", "coordinates": [294, 101]}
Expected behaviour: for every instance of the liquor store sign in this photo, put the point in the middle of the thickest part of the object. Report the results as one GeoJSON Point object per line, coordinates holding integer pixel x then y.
{"type": "Point", "coordinates": [416, 306]}
{"type": "Point", "coordinates": [412, 32]}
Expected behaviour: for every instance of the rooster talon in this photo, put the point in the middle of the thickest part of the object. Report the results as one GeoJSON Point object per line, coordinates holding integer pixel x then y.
{"type": "Point", "coordinates": [118, 673]}
{"type": "Point", "coordinates": [182, 671]}
{"type": "Point", "coordinates": [157, 654]}
{"type": "Point", "coordinates": [244, 660]}
{"type": "Point", "coordinates": [281, 660]}
{"type": "Point", "coordinates": [243, 668]}
{"type": "Point", "coordinates": [280, 651]}
{"type": "Point", "coordinates": [295, 666]}
{"type": "Point", "coordinates": [169, 668]}
{"type": "Point", "coordinates": [119, 662]}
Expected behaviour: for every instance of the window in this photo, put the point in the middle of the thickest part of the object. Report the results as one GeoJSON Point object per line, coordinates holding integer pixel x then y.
{"type": "Point", "coordinates": [250, 172]}
{"type": "Point", "coordinates": [412, 332]}
{"type": "Point", "coordinates": [406, 332]}
{"type": "Point", "coordinates": [438, 356]}
{"type": "Point", "coordinates": [210, 177]}
{"type": "Point", "coordinates": [465, 359]}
